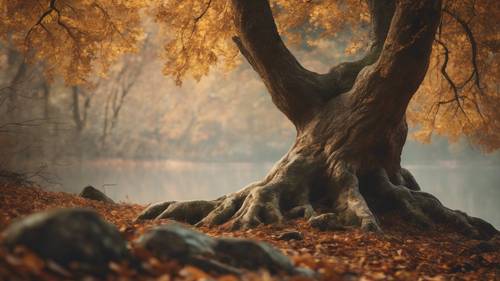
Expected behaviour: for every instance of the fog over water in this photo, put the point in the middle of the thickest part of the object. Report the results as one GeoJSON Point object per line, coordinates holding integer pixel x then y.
{"type": "Point", "coordinates": [471, 187]}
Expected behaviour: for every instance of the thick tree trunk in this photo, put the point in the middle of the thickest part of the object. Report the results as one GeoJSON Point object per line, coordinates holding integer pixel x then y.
{"type": "Point", "coordinates": [351, 129]}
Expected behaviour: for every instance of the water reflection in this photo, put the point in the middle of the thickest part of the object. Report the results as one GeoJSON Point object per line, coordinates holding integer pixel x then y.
{"type": "Point", "coordinates": [472, 189]}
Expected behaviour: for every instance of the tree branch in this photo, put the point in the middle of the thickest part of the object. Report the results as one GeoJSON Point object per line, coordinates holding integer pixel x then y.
{"type": "Point", "coordinates": [473, 44]}
{"type": "Point", "coordinates": [39, 22]}
{"type": "Point", "coordinates": [197, 18]}
{"type": "Point", "coordinates": [444, 72]}
{"type": "Point", "coordinates": [391, 82]}
{"type": "Point", "coordinates": [295, 90]}
{"type": "Point", "coordinates": [340, 78]}
{"type": "Point", "coordinates": [458, 87]}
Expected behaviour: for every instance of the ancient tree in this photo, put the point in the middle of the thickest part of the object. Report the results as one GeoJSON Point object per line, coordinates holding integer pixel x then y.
{"type": "Point", "coordinates": [350, 123]}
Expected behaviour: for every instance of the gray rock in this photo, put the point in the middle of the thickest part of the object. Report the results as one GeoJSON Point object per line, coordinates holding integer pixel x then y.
{"type": "Point", "coordinates": [291, 235]}
{"type": "Point", "coordinates": [221, 255]}
{"type": "Point", "coordinates": [90, 192]}
{"type": "Point", "coordinates": [252, 255]}
{"type": "Point", "coordinates": [176, 241]}
{"type": "Point", "coordinates": [188, 246]}
{"type": "Point", "coordinates": [69, 236]}
{"type": "Point", "coordinates": [154, 210]}
{"type": "Point", "coordinates": [328, 221]}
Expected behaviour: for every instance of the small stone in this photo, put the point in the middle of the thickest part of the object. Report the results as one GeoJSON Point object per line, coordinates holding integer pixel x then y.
{"type": "Point", "coordinates": [328, 221]}
{"type": "Point", "coordinates": [176, 241]}
{"type": "Point", "coordinates": [90, 192]}
{"type": "Point", "coordinates": [291, 235]}
{"type": "Point", "coordinates": [70, 236]}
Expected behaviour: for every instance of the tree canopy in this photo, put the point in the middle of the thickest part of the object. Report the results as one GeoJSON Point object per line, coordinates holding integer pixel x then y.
{"type": "Point", "coordinates": [77, 39]}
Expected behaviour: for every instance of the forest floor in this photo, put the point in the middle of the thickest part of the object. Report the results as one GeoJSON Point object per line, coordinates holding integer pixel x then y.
{"type": "Point", "coordinates": [401, 253]}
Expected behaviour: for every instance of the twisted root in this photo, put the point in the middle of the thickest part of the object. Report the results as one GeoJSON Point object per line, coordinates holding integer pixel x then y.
{"type": "Point", "coordinates": [425, 210]}
{"type": "Point", "coordinates": [289, 190]}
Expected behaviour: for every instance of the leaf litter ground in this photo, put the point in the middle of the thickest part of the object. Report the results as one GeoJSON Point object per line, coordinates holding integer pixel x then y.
{"type": "Point", "coordinates": [403, 252]}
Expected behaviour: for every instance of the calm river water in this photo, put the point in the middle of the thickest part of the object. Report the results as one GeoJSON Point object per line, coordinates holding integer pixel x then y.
{"type": "Point", "coordinates": [473, 189]}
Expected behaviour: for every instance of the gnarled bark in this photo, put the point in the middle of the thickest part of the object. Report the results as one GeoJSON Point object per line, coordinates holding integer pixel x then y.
{"type": "Point", "coordinates": [351, 128]}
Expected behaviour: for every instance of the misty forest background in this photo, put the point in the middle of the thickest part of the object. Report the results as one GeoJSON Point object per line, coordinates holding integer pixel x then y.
{"type": "Point", "coordinates": [139, 137]}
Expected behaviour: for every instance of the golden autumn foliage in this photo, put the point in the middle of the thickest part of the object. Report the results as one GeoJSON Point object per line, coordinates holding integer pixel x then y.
{"type": "Point", "coordinates": [460, 95]}
{"type": "Point", "coordinates": [73, 38]}
{"type": "Point", "coordinates": [76, 39]}
{"type": "Point", "coordinates": [200, 36]}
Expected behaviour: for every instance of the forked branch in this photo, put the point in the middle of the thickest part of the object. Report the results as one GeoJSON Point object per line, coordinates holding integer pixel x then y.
{"type": "Point", "coordinates": [391, 82]}
{"type": "Point", "coordinates": [340, 78]}
{"type": "Point", "coordinates": [295, 90]}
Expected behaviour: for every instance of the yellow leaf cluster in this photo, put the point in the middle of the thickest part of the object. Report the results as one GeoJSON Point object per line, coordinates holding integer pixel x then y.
{"type": "Point", "coordinates": [473, 110]}
{"type": "Point", "coordinates": [199, 36]}
{"type": "Point", "coordinates": [72, 38]}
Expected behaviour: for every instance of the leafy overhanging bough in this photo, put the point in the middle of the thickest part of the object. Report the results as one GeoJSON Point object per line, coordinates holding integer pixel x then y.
{"type": "Point", "coordinates": [351, 128]}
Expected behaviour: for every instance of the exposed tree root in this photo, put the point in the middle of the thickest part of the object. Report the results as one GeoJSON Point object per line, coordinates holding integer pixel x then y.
{"type": "Point", "coordinates": [408, 180]}
{"type": "Point", "coordinates": [350, 206]}
{"type": "Point", "coordinates": [425, 210]}
{"type": "Point", "coordinates": [284, 192]}
{"type": "Point", "coordinates": [288, 192]}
